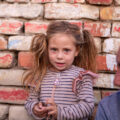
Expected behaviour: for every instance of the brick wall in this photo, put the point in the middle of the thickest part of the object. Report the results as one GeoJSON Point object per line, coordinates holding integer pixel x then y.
{"type": "Point", "coordinates": [21, 19]}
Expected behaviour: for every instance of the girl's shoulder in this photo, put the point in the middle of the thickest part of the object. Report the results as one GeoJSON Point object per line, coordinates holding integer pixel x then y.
{"type": "Point", "coordinates": [82, 72]}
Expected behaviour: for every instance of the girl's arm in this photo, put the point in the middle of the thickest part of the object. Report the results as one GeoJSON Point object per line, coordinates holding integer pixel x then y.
{"type": "Point", "coordinates": [32, 100]}
{"type": "Point", "coordinates": [85, 105]}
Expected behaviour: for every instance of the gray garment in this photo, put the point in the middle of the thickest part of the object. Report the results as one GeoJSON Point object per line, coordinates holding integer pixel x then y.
{"type": "Point", "coordinates": [109, 108]}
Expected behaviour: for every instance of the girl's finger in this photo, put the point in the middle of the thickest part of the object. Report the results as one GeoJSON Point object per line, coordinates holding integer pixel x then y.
{"type": "Point", "coordinates": [42, 110]}
{"type": "Point", "coordinates": [49, 108]}
{"type": "Point", "coordinates": [41, 114]}
{"type": "Point", "coordinates": [51, 113]}
{"type": "Point", "coordinates": [40, 105]}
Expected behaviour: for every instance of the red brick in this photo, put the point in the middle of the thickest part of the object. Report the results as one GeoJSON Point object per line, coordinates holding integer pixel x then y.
{"type": "Point", "coordinates": [6, 59]}
{"type": "Point", "coordinates": [106, 13]}
{"type": "Point", "coordinates": [13, 95]}
{"type": "Point", "coordinates": [102, 64]}
{"type": "Point", "coordinates": [3, 43]}
{"type": "Point", "coordinates": [98, 29]}
{"type": "Point", "coordinates": [116, 29]}
{"type": "Point", "coordinates": [35, 27]}
{"type": "Point", "coordinates": [70, 11]}
{"type": "Point", "coordinates": [18, 1]}
{"type": "Point", "coordinates": [104, 2]}
{"type": "Point", "coordinates": [25, 59]}
{"type": "Point", "coordinates": [78, 23]}
{"type": "Point", "coordinates": [107, 93]}
{"type": "Point", "coordinates": [43, 1]}
{"type": "Point", "coordinates": [73, 1]}
{"type": "Point", "coordinates": [10, 26]}
{"type": "Point", "coordinates": [110, 13]}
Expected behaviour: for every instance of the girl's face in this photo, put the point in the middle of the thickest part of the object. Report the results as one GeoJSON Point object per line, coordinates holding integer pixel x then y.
{"type": "Point", "coordinates": [61, 51]}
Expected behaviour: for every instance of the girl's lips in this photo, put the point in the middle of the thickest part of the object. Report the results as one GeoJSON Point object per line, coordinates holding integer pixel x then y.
{"type": "Point", "coordinates": [60, 64]}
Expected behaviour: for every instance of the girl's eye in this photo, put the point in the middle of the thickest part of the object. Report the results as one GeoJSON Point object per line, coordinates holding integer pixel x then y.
{"type": "Point", "coordinates": [53, 49]}
{"type": "Point", "coordinates": [67, 50]}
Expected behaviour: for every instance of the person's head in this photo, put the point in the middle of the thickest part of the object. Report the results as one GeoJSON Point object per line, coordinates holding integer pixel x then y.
{"type": "Point", "coordinates": [72, 46]}
{"type": "Point", "coordinates": [63, 45]}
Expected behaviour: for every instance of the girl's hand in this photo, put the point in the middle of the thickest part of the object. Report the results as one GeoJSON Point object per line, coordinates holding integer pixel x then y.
{"type": "Point", "coordinates": [39, 110]}
{"type": "Point", "coordinates": [51, 107]}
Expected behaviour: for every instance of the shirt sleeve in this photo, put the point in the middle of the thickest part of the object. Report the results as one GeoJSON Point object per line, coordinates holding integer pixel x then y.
{"type": "Point", "coordinates": [31, 101]}
{"type": "Point", "coordinates": [84, 108]}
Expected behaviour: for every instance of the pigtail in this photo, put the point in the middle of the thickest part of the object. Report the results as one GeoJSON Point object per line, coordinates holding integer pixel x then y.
{"type": "Point", "coordinates": [39, 50]}
{"type": "Point", "coordinates": [87, 52]}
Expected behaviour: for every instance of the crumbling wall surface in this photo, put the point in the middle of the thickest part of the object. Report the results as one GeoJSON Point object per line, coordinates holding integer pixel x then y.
{"type": "Point", "coordinates": [21, 19]}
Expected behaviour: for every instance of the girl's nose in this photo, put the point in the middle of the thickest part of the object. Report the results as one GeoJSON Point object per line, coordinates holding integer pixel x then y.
{"type": "Point", "coordinates": [60, 55]}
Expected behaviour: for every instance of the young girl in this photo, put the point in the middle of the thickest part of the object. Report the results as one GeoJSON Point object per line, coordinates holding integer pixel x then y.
{"type": "Point", "coordinates": [60, 86]}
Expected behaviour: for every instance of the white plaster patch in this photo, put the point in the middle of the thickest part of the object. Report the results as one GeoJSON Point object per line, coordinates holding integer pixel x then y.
{"type": "Point", "coordinates": [109, 45]}
{"type": "Point", "coordinates": [111, 62]}
{"type": "Point", "coordinates": [112, 81]}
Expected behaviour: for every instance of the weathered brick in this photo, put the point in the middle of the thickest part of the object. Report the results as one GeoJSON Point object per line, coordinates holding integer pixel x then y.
{"type": "Point", "coordinates": [21, 10]}
{"type": "Point", "coordinates": [19, 42]}
{"type": "Point", "coordinates": [116, 29]}
{"type": "Point", "coordinates": [97, 95]}
{"type": "Point", "coordinates": [100, 2]}
{"type": "Point", "coordinates": [41, 26]}
{"type": "Point", "coordinates": [4, 110]}
{"type": "Point", "coordinates": [10, 26]}
{"type": "Point", "coordinates": [18, 1]}
{"type": "Point", "coordinates": [72, 1]}
{"type": "Point", "coordinates": [117, 2]}
{"type": "Point", "coordinates": [111, 45]}
{"type": "Point", "coordinates": [98, 29]}
{"type": "Point", "coordinates": [106, 63]}
{"type": "Point", "coordinates": [110, 13]}
{"type": "Point", "coordinates": [3, 43]}
{"type": "Point", "coordinates": [36, 27]}
{"type": "Point", "coordinates": [25, 59]}
{"type": "Point", "coordinates": [13, 95]}
{"type": "Point", "coordinates": [43, 1]}
{"type": "Point", "coordinates": [11, 77]}
{"type": "Point", "coordinates": [6, 59]}
{"type": "Point", "coordinates": [15, 111]}
{"type": "Point", "coordinates": [70, 11]}
{"type": "Point", "coordinates": [107, 92]}
{"type": "Point", "coordinates": [105, 81]}
{"type": "Point", "coordinates": [98, 44]}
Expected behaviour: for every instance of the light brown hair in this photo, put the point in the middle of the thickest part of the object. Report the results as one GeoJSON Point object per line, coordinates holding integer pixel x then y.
{"type": "Point", "coordinates": [84, 42]}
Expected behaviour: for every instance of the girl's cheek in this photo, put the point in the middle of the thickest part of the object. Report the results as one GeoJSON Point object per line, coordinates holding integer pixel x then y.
{"type": "Point", "coordinates": [52, 52]}
{"type": "Point", "coordinates": [67, 53]}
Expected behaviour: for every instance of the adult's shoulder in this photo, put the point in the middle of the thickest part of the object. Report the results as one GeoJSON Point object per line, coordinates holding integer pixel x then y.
{"type": "Point", "coordinates": [109, 107]}
{"type": "Point", "coordinates": [111, 99]}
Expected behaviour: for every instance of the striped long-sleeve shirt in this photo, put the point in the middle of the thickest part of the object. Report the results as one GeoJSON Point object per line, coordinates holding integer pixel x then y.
{"type": "Point", "coordinates": [70, 105]}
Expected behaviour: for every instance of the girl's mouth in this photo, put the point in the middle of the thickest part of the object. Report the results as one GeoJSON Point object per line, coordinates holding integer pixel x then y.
{"type": "Point", "coordinates": [60, 64]}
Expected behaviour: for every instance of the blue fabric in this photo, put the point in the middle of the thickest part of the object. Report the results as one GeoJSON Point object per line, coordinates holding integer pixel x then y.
{"type": "Point", "coordinates": [109, 108]}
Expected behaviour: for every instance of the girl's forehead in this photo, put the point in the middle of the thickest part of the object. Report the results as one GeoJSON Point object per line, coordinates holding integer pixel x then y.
{"type": "Point", "coordinates": [62, 39]}
{"type": "Point", "coordinates": [63, 35]}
